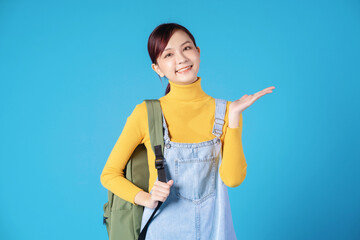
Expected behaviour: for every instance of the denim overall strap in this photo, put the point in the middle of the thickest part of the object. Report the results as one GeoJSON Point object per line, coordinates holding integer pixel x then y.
{"type": "Point", "coordinates": [220, 109]}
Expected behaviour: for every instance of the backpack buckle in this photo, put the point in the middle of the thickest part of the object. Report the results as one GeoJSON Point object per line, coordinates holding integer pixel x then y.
{"type": "Point", "coordinates": [159, 163]}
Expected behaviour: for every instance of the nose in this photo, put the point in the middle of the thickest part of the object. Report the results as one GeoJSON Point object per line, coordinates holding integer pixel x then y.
{"type": "Point", "coordinates": [181, 58]}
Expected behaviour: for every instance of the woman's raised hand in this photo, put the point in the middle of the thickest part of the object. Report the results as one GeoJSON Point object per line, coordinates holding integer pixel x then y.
{"type": "Point", "coordinates": [246, 101]}
{"type": "Point", "coordinates": [159, 192]}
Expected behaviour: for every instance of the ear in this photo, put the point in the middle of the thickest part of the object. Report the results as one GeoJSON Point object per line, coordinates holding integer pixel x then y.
{"type": "Point", "coordinates": [198, 49]}
{"type": "Point", "coordinates": [156, 68]}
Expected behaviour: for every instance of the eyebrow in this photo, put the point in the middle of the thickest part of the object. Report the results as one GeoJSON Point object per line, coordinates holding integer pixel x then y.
{"type": "Point", "coordinates": [180, 45]}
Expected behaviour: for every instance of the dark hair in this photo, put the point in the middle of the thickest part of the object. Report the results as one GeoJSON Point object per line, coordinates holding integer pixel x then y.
{"type": "Point", "coordinates": [160, 37]}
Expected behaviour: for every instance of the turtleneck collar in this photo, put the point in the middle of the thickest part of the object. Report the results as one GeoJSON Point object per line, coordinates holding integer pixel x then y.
{"type": "Point", "coordinates": [189, 92]}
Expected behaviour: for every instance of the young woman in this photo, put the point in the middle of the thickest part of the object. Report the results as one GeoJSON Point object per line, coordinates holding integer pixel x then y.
{"type": "Point", "coordinates": [203, 149]}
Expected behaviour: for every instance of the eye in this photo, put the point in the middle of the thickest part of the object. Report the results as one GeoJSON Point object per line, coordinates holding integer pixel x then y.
{"type": "Point", "coordinates": [187, 47]}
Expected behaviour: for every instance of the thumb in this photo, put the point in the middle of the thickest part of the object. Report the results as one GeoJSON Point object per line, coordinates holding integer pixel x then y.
{"type": "Point", "coordinates": [170, 182]}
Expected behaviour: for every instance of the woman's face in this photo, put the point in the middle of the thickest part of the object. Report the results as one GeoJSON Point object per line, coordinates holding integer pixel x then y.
{"type": "Point", "coordinates": [179, 53]}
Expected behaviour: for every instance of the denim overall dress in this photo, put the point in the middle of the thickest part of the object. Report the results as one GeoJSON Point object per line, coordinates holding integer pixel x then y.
{"type": "Point", "coordinates": [198, 206]}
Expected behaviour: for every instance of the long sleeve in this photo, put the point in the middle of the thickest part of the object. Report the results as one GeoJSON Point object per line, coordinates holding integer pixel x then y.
{"type": "Point", "coordinates": [233, 165]}
{"type": "Point", "coordinates": [112, 176]}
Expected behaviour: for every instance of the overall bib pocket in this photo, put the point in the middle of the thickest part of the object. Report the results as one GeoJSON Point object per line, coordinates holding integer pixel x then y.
{"type": "Point", "coordinates": [194, 178]}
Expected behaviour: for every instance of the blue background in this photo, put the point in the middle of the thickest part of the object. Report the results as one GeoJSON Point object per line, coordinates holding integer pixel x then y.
{"type": "Point", "coordinates": [72, 72]}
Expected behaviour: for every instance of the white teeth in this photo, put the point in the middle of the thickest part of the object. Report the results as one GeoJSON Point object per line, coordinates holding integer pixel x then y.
{"type": "Point", "coordinates": [184, 69]}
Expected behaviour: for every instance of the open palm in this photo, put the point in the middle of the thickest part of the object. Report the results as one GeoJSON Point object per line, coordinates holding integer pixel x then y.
{"type": "Point", "coordinates": [246, 101]}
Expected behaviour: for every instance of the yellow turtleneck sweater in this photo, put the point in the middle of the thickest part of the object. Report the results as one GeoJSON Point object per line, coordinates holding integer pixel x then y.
{"type": "Point", "coordinates": [189, 113]}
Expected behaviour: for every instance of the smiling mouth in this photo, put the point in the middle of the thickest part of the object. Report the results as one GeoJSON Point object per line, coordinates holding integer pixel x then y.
{"type": "Point", "coordinates": [187, 68]}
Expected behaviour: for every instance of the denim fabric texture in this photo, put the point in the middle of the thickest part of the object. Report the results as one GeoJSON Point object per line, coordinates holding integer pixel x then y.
{"type": "Point", "coordinates": [198, 205]}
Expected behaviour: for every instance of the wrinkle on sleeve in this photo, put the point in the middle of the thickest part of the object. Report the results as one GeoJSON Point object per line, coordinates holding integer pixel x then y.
{"type": "Point", "coordinates": [233, 165]}
{"type": "Point", "coordinates": [112, 176]}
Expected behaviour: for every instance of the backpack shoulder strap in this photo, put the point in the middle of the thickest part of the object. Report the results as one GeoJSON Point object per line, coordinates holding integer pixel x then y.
{"type": "Point", "coordinates": [157, 143]}
{"type": "Point", "coordinates": [155, 123]}
{"type": "Point", "coordinates": [156, 135]}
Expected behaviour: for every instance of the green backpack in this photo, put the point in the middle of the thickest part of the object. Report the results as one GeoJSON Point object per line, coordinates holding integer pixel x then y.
{"type": "Point", "coordinates": [122, 218]}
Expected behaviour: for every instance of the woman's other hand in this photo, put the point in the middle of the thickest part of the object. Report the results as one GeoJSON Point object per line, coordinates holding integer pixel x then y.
{"type": "Point", "coordinates": [238, 106]}
{"type": "Point", "coordinates": [246, 101]}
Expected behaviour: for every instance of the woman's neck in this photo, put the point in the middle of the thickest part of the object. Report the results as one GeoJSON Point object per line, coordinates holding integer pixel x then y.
{"type": "Point", "coordinates": [189, 92]}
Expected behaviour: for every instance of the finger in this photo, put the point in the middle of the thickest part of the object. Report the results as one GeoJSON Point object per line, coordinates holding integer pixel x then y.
{"type": "Point", "coordinates": [163, 185]}
{"type": "Point", "coordinates": [161, 194]}
{"type": "Point", "coordinates": [164, 189]}
{"type": "Point", "coordinates": [243, 97]}
{"type": "Point", "coordinates": [156, 203]}
{"type": "Point", "coordinates": [159, 190]}
{"type": "Point", "coordinates": [264, 91]}
{"type": "Point", "coordinates": [254, 98]}
{"type": "Point", "coordinates": [160, 197]}
{"type": "Point", "coordinates": [158, 193]}
{"type": "Point", "coordinates": [267, 89]}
